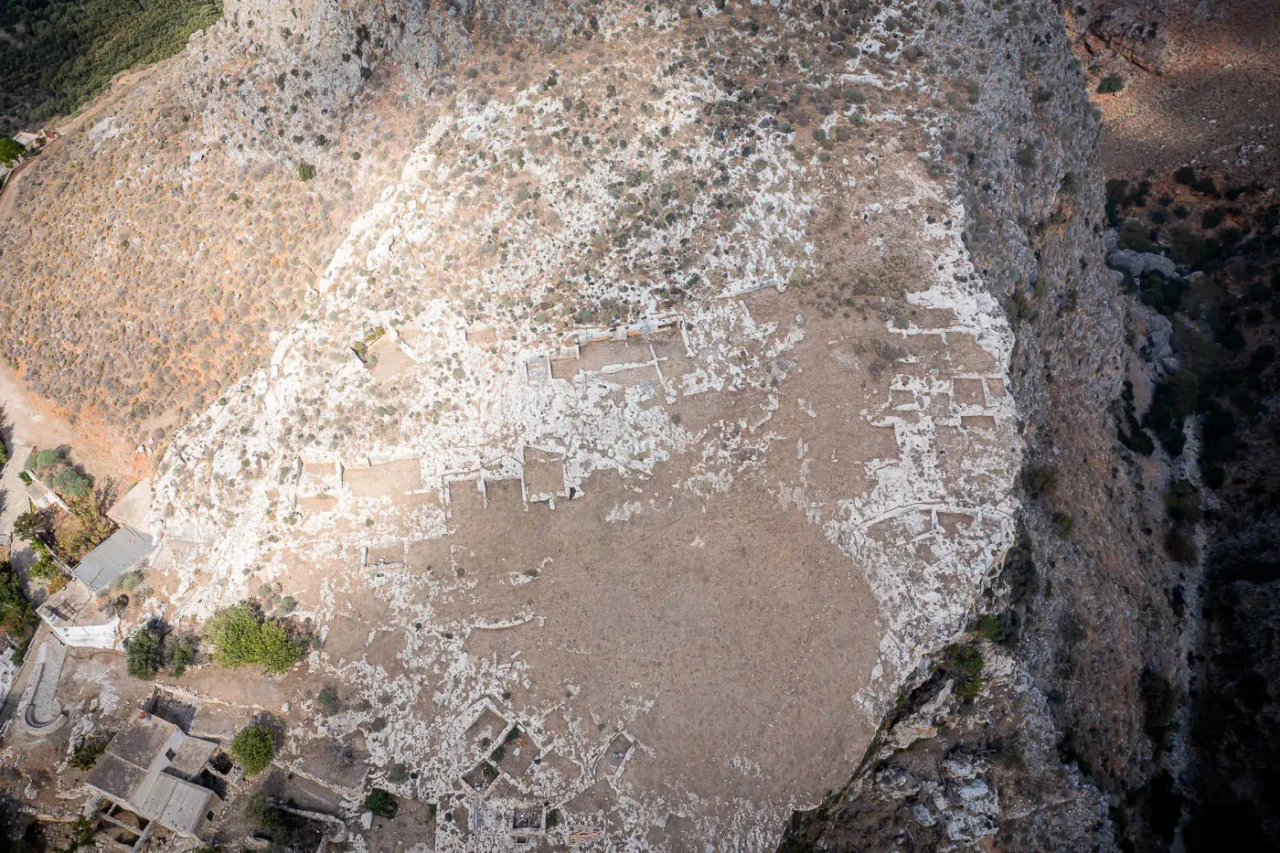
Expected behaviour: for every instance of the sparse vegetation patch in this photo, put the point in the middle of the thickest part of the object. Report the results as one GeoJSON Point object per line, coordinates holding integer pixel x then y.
{"type": "Point", "coordinates": [381, 803]}
{"type": "Point", "coordinates": [1111, 84]}
{"type": "Point", "coordinates": [86, 755]}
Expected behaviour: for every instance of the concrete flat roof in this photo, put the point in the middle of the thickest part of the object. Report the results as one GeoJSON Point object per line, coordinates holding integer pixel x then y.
{"type": "Point", "coordinates": [185, 808]}
{"type": "Point", "coordinates": [121, 552]}
{"type": "Point", "coordinates": [191, 757]}
{"type": "Point", "coordinates": [132, 509]}
{"type": "Point", "coordinates": [116, 777]}
{"type": "Point", "coordinates": [74, 605]}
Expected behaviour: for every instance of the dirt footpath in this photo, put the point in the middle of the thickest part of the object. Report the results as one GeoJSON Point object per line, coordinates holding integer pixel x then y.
{"type": "Point", "coordinates": [26, 421]}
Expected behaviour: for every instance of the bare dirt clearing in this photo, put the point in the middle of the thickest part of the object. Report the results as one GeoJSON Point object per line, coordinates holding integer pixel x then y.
{"type": "Point", "coordinates": [34, 423]}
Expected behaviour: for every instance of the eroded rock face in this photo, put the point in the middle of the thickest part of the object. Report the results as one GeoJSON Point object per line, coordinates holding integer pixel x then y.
{"type": "Point", "coordinates": [637, 444]}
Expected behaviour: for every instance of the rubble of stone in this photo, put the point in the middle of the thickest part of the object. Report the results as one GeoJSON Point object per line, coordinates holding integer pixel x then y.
{"type": "Point", "coordinates": [953, 773]}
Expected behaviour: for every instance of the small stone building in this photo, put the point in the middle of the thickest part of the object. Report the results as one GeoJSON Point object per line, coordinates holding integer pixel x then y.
{"type": "Point", "coordinates": [149, 775]}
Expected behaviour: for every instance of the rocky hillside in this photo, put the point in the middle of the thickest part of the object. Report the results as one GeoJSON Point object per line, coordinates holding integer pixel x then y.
{"type": "Point", "coordinates": [1086, 608]}
{"type": "Point", "coordinates": [617, 307]}
{"type": "Point", "coordinates": [1192, 173]}
{"type": "Point", "coordinates": [1156, 707]}
{"type": "Point", "coordinates": [349, 256]}
{"type": "Point", "coordinates": [149, 255]}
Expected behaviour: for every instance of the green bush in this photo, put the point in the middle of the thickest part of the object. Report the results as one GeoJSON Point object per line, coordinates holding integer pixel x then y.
{"type": "Point", "coordinates": [1041, 480]}
{"type": "Point", "coordinates": [328, 701]}
{"type": "Point", "coordinates": [1174, 400]}
{"type": "Point", "coordinates": [964, 665]}
{"type": "Point", "coordinates": [44, 568]}
{"type": "Point", "coordinates": [52, 468]}
{"type": "Point", "coordinates": [1162, 294]}
{"type": "Point", "coordinates": [998, 628]}
{"type": "Point", "coordinates": [86, 755]}
{"type": "Point", "coordinates": [1159, 700]}
{"type": "Point", "coordinates": [10, 149]}
{"type": "Point", "coordinates": [1134, 234]}
{"type": "Point", "coordinates": [181, 654]}
{"type": "Point", "coordinates": [1186, 247]}
{"type": "Point", "coordinates": [81, 834]}
{"type": "Point", "coordinates": [71, 483]}
{"type": "Point", "coordinates": [1183, 389]}
{"type": "Point", "coordinates": [254, 747]}
{"type": "Point", "coordinates": [42, 459]}
{"type": "Point", "coordinates": [306, 171]}
{"type": "Point", "coordinates": [1206, 186]}
{"type": "Point", "coordinates": [16, 612]}
{"type": "Point", "coordinates": [143, 652]}
{"type": "Point", "coordinates": [381, 803]}
{"type": "Point", "coordinates": [1111, 84]}
{"type": "Point", "coordinates": [242, 637]}
{"type": "Point", "coordinates": [31, 524]}
{"type": "Point", "coordinates": [1020, 573]}
{"type": "Point", "coordinates": [1182, 502]}
{"type": "Point", "coordinates": [128, 581]}
{"type": "Point", "coordinates": [1063, 524]}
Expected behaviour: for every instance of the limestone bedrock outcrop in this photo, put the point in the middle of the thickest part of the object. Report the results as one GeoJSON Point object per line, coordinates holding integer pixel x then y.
{"type": "Point", "coordinates": [1138, 264]}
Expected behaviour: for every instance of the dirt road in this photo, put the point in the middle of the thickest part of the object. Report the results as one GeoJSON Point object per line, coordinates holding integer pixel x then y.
{"type": "Point", "coordinates": [13, 503]}
{"type": "Point", "coordinates": [118, 89]}
{"type": "Point", "coordinates": [26, 422]}
{"type": "Point", "coordinates": [24, 426]}
{"type": "Point", "coordinates": [9, 193]}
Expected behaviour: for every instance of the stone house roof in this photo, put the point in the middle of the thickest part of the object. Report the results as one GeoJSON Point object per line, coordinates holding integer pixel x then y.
{"type": "Point", "coordinates": [149, 768]}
